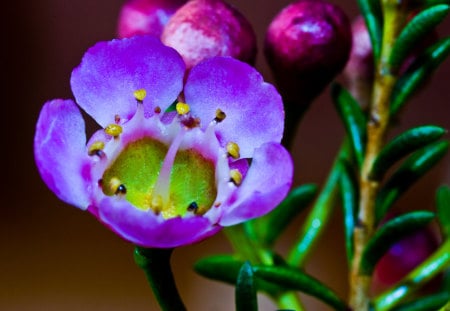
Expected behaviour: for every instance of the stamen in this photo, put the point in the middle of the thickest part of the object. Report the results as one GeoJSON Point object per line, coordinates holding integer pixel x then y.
{"type": "Point", "coordinates": [113, 130]}
{"type": "Point", "coordinates": [140, 95]}
{"type": "Point", "coordinates": [236, 177]}
{"type": "Point", "coordinates": [193, 207]}
{"type": "Point", "coordinates": [233, 150]}
{"type": "Point", "coordinates": [161, 191]}
{"type": "Point", "coordinates": [182, 108]}
{"type": "Point", "coordinates": [117, 119]}
{"type": "Point", "coordinates": [220, 116]}
{"type": "Point", "coordinates": [116, 186]}
{"type": "Point", "coordinates": [157, 110]}
{"type": "Point", "coordinates": [96, 148]}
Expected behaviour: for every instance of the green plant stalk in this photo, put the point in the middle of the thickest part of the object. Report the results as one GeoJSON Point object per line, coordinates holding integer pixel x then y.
{"type": "Point", "coordinates": [249, 250]}
{"type": "Point", "coordinates": [156, 265]}
{"type": "Point", "coordinates": [378, 121]}
{"type": "Point", "coordinates": [433, 265]}
{"type": "Point", "coordinates": [320, 213]}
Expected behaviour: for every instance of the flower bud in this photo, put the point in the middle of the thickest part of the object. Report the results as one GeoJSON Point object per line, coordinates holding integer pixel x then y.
{"type": "Point", "coordinates": [205, 28]}
{"type": "Point", "coordinates": [138, 17]}
{"type": "Point", "coordinates": [307, 45]}
{"type": "Point", "coordinates": [359, 70]}
{"type": "Point", "coordinates": [402, 258]}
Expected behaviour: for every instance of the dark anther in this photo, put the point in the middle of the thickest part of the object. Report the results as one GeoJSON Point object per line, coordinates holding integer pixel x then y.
{"type": "Point", "coordinates": [193, 207]}
{"type": "Point", "coordinates": [121, 189]}
{"type": "Point", "coordinates": [100, 183]}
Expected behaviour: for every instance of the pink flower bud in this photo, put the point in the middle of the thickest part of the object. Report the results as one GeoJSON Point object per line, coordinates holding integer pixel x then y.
{"type": "Point", "coordinates": [402, 258]}
{"type": "Point", "coordinates": [359, 70]}
{"type": "Point", "coordinates": [205, 28]}
{"type": "Point", "coordinates": [138, 17]}
{"type": "Point", "coordinates": [307, 45]}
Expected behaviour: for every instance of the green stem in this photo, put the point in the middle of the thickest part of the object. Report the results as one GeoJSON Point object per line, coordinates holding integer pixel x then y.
{"type": "Point", "coordinates": [433, 265]}
{"type": "Point", "coordinates": [377, 126]}
{"type": "Point", "coordinates": [156, 265]}
{"type": "Point", "coordinates": [320, 214]}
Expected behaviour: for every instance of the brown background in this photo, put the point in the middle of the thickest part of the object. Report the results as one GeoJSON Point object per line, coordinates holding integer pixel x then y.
{"type": "Point", "coordinates": [55, 257]}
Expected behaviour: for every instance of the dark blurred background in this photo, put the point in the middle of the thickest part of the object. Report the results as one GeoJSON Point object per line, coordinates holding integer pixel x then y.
{"type": "Point", "coordinates": [55, 257]}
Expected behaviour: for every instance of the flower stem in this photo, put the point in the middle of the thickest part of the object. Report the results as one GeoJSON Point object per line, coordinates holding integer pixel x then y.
{"type": "Point", "coordinates": [156, 265]}
{"type": "Point", "coordinates": [437, 262]}
{"type": "Point", "coordinates": [377, 127]}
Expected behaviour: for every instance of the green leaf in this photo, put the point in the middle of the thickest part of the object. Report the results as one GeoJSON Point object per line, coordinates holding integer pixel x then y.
{"type": "Point", "coordinates": [418, 73]}
{"type": "Point", "coordinates": [269, 227]}
{"type": "Point", "coordinates": [415, 30]}
{"type": "Point", "coordinates": [412, 169]}
{"type": "Point", "coordinates": [427, 303]}
{"type": "Point", "coordinates": [443, 209]}
{"type": "Point", "coordinates": [389, 234]}
{"type": "Point", "coordinates": [402, 145]}
{"type": "Point", "coordinates": [293, 279]}
{"type": "Point", "coordinates": [226, 268]}
{"type": "Point", "coordinates": [371, 11]}
{"type": "Point", "coordinates": [349, 194]}
{"type": "Point", "coordinates": [245, 289]}
{"type": "Point", "coordinates": [353, 119]}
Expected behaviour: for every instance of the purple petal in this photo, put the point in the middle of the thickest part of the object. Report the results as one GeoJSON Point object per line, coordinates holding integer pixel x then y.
{"type": "Point", "coordinates": [254, 109]}
{"type": "Point", "coordinates": [146, 229]}
{"type": "Point", "coordinates": [110, 72]}
{"type": "Point", "coordinates": [267, 183]}
{"type": "Point", "coordinates": [60, 151]}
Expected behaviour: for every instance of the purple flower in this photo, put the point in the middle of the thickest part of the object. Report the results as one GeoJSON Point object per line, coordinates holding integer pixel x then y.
{"type": "Point", "coordinates": [156, 176]}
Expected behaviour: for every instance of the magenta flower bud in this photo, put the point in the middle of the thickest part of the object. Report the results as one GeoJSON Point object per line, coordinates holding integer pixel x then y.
{"type": "Point", "coordinates": [402, 258]}
{"type": "Point", "coordinates": [307, 45]}
{"type": "Point", "coordinates": [139, 17]}
{"type": "Point", "coordinates": [205, 28]}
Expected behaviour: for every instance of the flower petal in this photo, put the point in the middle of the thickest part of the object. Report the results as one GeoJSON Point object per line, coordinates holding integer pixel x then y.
{"type": "Point", "coordinates": [146, 229]}
{"type": "Point", "coordinates": [254, 110]}
{"type": "Point", "coordinates": [110, 72]}
{"type": "Point", "coordinates": [267, 183]}
{"type": "Point", "coordinates": [60, 151]}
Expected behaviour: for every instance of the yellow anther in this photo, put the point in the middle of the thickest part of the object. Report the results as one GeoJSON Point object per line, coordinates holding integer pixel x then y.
{"type": "Point", "coordinates": [113, 130]}
{"type": "Point", "coordinates": [236, 177]}
{"type": "Point", "coordinates": [220, 116]}
{"type": "Point", "coordinates": [95, 147]}
{"type": "Point", "coordinates": [182, 108]}
{"type": "Point", "coordinates": [140, 94]}
{"type": "Point", "coordinates": [114, 184]}
{"type": "Point", "coordinates": [233, 150]}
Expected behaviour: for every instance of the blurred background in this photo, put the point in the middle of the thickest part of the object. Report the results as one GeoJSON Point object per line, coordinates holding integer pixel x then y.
{"type": "Point", "coordinates": [55, 257]}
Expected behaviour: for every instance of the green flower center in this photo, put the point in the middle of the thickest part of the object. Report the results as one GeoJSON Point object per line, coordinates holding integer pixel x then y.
{"type": "Point", "coordinates": [185, 184]}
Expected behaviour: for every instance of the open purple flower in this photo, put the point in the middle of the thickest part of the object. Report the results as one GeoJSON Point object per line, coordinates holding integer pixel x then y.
{"type": "Point", "coordinates": [160, 177]}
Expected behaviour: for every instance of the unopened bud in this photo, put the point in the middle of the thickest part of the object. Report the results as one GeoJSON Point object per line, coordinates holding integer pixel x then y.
{"type": "Point", "coordinates": [206, 28]}
{"type": "Point", "coordinates": [139, 17]}
{"type": "Point", "coordinates": [307, 45]}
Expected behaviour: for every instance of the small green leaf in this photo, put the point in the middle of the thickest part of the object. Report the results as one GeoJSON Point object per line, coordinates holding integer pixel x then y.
{"type": "Point", "coordinates": [415, 30]}
{"type": "Point", "coordinates": [245, 289]}
{"type": "Point", "coordinates": [402, 145]}
{"type": "Point", "coordinates": [371, 11]}
{"type": "Point", "coordinates": [353, 119]}
{"type": "Point", "coordinates": [427, 303]}
{"type": "Point", "coordinates": [414, 167]}
{"type": "Point", "coordinates": [389, 234]}
{"type": "Point", "coordinates": [419, 71]}
{"type": "Point", "coordinates": [443, 209]}
{"type": "Point", "coordinates": [226, 268]}
{"type": "Point", "coordinates": [270, 227]}
{"type": "Point", "coordinates": [349, 194]}
{"type": "Point", "coordinates": [293, 279]}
